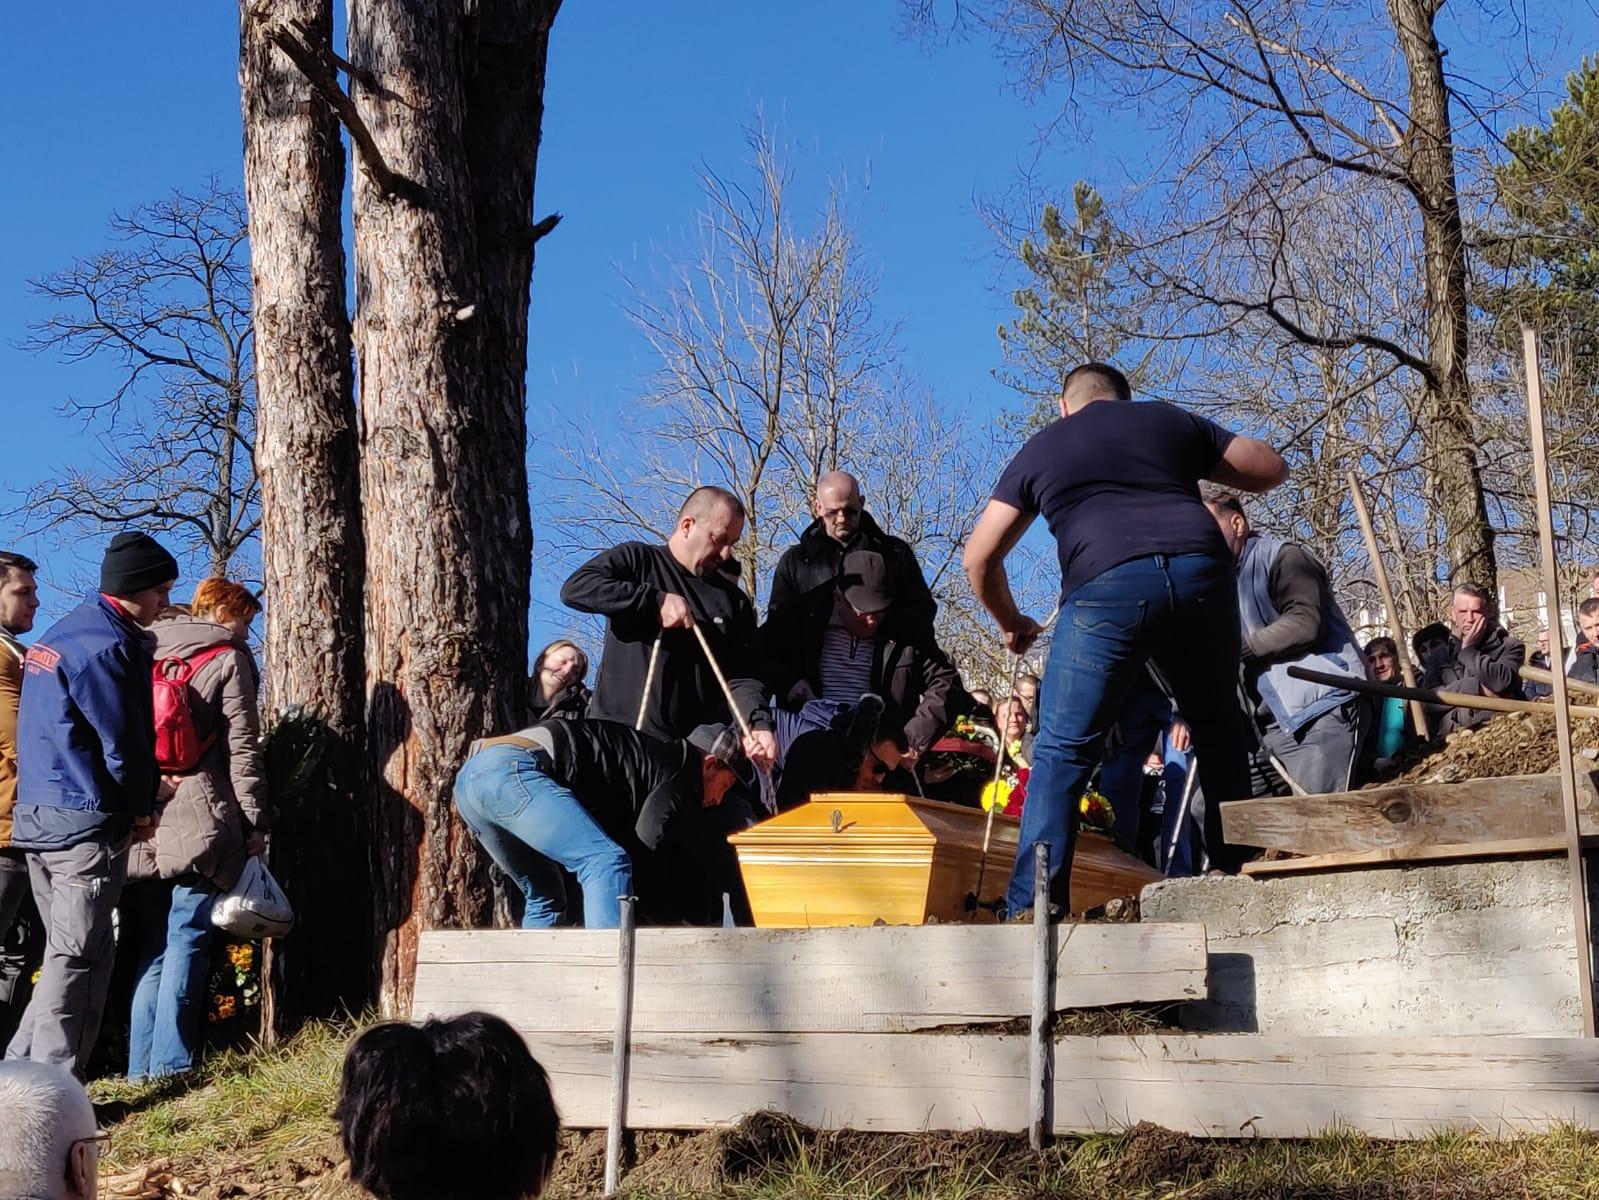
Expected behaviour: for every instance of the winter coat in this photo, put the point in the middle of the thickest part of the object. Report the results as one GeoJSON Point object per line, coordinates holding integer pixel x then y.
{"type": "Point", "coordinates": [1493, 663]}
{"type": "Point", "coordinates": [625, 585]}
{"type": "Point", "coordinates": [201, 829]}
{"type": "Point", "coordinates": [86, 720]}
{"type": "Point", "coordinates": [571, 704]}
{"type": "Point", "coordinates": [11, 658]}
{"type": "Point", "coordinates": [920, 688]}
{"type": "Point", "coordinates": [818, 560]}
{"type": "Point", "coordinates": [1585, 664]}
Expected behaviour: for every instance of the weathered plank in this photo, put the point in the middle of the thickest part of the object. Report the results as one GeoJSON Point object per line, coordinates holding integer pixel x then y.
{"type": "Point", "coordinates": [1508, 848]}
{"type": "Point", "coordinates": [1408, 815]}
{"type": "Point", "coordinates": [1210, 1086]}
{"type": "Point", "coordinates": [862, 980]}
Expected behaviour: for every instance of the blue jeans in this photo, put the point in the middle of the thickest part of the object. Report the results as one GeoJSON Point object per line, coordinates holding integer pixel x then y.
{"type": "Point", "coordinates": [1181, 612]}
{"type": "Point", "coordinates": [529, 823]}
{"type": "Point", "coordinates": [173, 922]}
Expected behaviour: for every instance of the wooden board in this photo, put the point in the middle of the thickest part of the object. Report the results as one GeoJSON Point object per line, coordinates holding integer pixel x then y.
{"type": "Point", "coordinates": [1508, 848]}
{"type": "Point", "coordinates": [1211, 1086]}
{"type": "Point", "coordinates": [859, 979]}
{"type": "Point", "coordinates": [1408, 815]}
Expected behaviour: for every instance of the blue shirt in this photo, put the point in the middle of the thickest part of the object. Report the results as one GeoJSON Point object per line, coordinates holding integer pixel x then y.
{"type": "Point", "coordinates": [1118, 481]}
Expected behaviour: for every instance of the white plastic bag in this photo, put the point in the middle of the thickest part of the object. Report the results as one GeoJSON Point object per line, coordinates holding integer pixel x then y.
{"type": "Point", "coordinates": [256, 907]}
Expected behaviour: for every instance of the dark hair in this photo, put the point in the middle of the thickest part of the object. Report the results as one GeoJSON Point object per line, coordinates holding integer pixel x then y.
{"type": "Point", "coordinates": [11, 561]}
{"type": "Point", "coordinates": [1221, 498]}
{"type": "Point", "coordinates": [448, 1110]}
{"type": "Point", "coordinates": [1381, 643]}
{"type": "Point", "coordinates": [1588, 607]}
{"type": "Point", "coordinates": [702, 501]}
{"type": "Point", "coordinates": [1104, 372]}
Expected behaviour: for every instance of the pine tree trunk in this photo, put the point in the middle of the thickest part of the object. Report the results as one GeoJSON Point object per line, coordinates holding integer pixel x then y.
{"type": "Point", "coordinates": [444, 495]}
{"type": "Point", "coordinates": [1450, 428]}
{"type": "Point", "coordinates": [312, 549]}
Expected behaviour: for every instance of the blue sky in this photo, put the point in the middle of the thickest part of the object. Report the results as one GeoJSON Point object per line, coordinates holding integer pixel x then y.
{"type": "Point", "coordinates": [639, 93]}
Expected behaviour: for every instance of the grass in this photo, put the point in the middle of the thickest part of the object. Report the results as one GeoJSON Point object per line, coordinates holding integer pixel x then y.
{"type": "Point", "coordinates": [258, 1124]}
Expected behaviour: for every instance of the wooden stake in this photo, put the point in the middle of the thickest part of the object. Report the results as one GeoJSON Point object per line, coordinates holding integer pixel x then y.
{"type": "Point", "coordinates": [1038, 1126]}
{"type": "Point", "coordinates": [619, 1048]}
{"type": "Point", "coordinates": [1417, 713]}
{"type": "Point", "coordinates": [716, 669]}
{"type": "Point", "coordinates": [1547, 678]}
{"type": "Point", "coordinates": [649, 681]}
{"type": "Point", "coordinates": [1557, 654]}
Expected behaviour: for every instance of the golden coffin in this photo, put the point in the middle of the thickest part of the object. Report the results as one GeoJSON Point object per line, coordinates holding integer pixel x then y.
{"type": "Point", "coordinates": [856, 858]}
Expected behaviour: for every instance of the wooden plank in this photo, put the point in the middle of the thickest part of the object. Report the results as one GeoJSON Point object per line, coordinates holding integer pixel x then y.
{"type": "Point", "coordinates": [862, 979]}
{"type": "Point", "coordinates": [1408, 815]}
{"type": "Point", "coordinates": [1211, 1086]}
{"type": "Point", "coordinates": [1508, 848]}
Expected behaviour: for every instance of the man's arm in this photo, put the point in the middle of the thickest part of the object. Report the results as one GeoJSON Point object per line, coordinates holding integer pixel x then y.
{"type": "Point", "coordinates": [940, 682]}
{"type": "Point", "coordinates": [916, 598]}
{"type": "Point", "coordinates": [10, 701]}
{"type": "Point", "coordinates": [1249, 465]}
{"type": "Point", "coordinates": [609, 584]}
{"type": "Point", "coordinates": [785, 588]}
{"type": "Point", "coordinates": [113, 694]}
{"type": "Point", "coordinates": [1298, 591]}
{"type": "Point", "coordinates": [998, 530]}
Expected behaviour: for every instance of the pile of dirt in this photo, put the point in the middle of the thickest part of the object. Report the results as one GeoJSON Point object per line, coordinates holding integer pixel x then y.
{"type": "Point", "coordinates": [1512, 744]}
{"type": "Point", "coordinates": [1152, 1154]}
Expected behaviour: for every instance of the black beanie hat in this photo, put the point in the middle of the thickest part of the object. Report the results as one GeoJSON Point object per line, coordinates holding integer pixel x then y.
{"type": "Point", "coordinates": [133, 562]}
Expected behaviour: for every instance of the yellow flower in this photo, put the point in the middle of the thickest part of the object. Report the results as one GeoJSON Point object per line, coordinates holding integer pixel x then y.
{"type": "Point", "coordinates": [997, 795]}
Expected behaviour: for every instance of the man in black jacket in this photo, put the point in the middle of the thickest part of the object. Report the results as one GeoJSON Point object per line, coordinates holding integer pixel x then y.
{"type": "Point", "coordinates": [1585, 658]}
{"type": "Point", "coordinates": [849, 667]}
{"type": "Point", "coordinates": [842, 524]}
{"type": "Point", "coordinates": [600, 800]}
{"type": "Point", "coordinates": [1482, 659]}
{"type": "Point", "coordinates": [648, 592]}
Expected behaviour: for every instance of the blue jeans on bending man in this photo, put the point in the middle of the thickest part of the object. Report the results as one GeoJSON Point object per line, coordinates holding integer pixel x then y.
{"type": "Point", "coordinates": [1181, 611]}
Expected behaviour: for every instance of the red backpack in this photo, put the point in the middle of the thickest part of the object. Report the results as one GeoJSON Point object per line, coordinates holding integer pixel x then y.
{"type": "Point", "coordinates": [178, 745]}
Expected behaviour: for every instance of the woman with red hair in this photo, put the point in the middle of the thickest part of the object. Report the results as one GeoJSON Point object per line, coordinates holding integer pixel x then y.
{"type": "Point", "coordinates": [208, 821]}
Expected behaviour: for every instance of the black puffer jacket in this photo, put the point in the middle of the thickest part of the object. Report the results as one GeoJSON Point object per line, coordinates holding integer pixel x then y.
{"type": "Point", "coordinates": [817, 561]}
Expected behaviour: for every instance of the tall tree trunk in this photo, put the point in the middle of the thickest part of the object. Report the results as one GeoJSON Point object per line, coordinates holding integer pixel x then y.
{"type": "Point", "coordinates": [444, 584]}
{"type": "Point", "coordinates": [312, 550]}
{"type": "Point", "coordinates": [1449, 428]}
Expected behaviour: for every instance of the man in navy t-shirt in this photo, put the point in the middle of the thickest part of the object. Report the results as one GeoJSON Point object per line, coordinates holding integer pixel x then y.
{"type": "Point", "coordinates": [1145, 575]}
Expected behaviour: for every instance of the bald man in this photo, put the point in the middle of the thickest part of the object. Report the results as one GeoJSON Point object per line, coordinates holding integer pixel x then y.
{"type": "Point", "coordinates": [842, 524]}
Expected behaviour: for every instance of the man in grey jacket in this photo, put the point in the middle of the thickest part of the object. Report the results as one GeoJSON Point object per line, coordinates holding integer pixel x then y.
{"type": "Point", "coordinates": [1481, 659]}
{"type": "Point", "coordinates": [1311, 733]}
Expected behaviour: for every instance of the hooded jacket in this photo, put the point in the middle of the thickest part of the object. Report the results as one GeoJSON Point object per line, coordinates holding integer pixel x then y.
{"type": "Point", "coordinates": [920, 688]}
{"type": "Point", "coordinates": [201, 828]}
{"type": "Point", "coordinates": [12, 655]}
{"type": "Point", "coordinates": [817, 561]}
{"type": "Point", "coordinates": [87, 722]}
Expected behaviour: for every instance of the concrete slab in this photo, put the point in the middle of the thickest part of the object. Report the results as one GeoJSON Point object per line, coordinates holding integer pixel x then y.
{"type": "Point", "coordinates": [1445, 949]}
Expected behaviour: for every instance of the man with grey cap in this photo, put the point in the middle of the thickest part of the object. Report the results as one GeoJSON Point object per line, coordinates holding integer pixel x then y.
{"type": "Point", "coordinates": [591, 797]}
{"type": "Point", "coordinates": [86, 778]}
{"type": "Point", "coordinates": [852, 663]}
{"type": "Point", "coordinates": [49, 1145]}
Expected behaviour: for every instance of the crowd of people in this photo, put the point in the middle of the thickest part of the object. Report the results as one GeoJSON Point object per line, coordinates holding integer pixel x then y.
{"type": "Point", "coordinates": [1169, 685]}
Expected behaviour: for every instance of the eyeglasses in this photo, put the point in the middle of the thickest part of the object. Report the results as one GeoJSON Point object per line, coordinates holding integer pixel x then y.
{"type": "Point", "coordinates": [102, 1144]}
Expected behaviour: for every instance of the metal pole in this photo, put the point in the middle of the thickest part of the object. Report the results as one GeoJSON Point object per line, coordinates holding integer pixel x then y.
{"type": "Point", "coordinates": [619, 1049]}
{"type": "Point", "coordinates": [1417, 713]}
{"type": "Point", "coordinates": [1038, 1075]}
{"type": "Point", "coordinates": [1557, 654]}
{"type": "Point", "coordinates": [1183, 807]}
{"type": "Point", "coordinates": [649, 681]}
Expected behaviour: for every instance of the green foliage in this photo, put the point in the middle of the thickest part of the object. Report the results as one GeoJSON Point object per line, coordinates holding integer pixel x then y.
{"type": "Point", "coordinates": [1080, 302]}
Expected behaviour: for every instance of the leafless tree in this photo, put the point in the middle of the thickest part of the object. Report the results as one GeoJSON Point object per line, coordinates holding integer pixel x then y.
{"type": "Point", "coordinates": [168, 305]}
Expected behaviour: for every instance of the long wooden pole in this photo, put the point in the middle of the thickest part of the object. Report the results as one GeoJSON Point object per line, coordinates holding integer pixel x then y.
{"type": "Point", "coordinates": [1436, 696]}
{"type": "Point", "coordinates": [1557, 654]}
{"type": "Point", "coordinates": [716, 669]}
{"type": "Point", "coordinates": [1547, 678]}
{"type": "Point", "coordinates": [1417, 713]}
